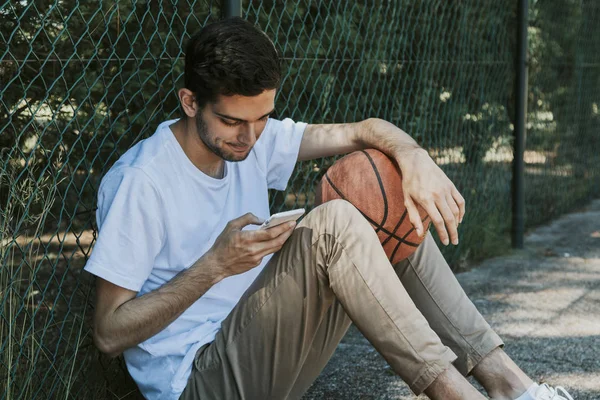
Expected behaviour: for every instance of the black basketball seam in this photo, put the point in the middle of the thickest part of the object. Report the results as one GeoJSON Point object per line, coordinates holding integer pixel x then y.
{"type": "Point", "coordinates": [385, 211]}
{"type": "Point", "coordinates": [396, 227]}
{"type": "Point", "coordinates": [406, 235]}
{"type": "Point", "coordinates": [385, 203]}
{"type": "Point", "coordinates": [367, 217]}
{"type": "Point", "coordinates": [399, 243]}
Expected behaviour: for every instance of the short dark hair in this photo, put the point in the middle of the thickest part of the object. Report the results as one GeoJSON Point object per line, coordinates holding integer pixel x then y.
{"type": "Point", "coordinates": [230, 57]}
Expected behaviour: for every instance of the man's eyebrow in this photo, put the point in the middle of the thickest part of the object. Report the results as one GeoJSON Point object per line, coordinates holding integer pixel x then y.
{"type": "Point", "coordinates": [241, 120]}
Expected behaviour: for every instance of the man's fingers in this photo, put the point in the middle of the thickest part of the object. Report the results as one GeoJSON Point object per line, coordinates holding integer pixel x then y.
{"type": "Point", "coordinates": [460, 202]}
{"type": "Point", "coordinates": [438, 222]}
{"type": "Point", "coordinates": [244, 220]}
{"type": "Point", "coordinates": [273, 245]}
{"type": "Point", "coordinates": [454, 208]}
{"type": "Point", "coordinates": [271, 233]}
{"type": "Point", "coordinates": [450, 222]}
{"type": "Point", "coordinates": [413, 215]}
{"type": "Point", "coordinates": [278, 243]}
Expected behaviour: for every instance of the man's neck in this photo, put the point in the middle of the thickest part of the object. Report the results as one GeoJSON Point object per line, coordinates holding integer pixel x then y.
{"type": "Point", "coordinates": [193, 147]}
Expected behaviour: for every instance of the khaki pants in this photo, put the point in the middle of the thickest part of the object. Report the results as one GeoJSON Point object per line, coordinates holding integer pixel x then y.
{"type": "Point", "coordinates": [330, 273]}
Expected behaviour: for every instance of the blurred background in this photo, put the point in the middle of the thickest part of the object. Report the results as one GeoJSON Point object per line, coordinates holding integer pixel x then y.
{"type": "Point", "coordinates": [81, 82]}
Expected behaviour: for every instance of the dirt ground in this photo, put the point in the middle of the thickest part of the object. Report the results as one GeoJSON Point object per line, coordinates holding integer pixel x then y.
{"type": "Point", "coordinates": [543, 301]}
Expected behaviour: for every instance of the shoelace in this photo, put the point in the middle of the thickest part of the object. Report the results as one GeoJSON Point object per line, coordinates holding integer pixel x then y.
{"type": "Point", "coordinates": [553, 393]}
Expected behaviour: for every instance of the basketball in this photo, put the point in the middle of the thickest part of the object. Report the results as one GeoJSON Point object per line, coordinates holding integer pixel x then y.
{"type": "Point", "coordinates": [372, 182]}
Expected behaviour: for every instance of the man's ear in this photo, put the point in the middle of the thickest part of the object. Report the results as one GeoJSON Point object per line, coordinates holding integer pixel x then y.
{"type": "Point", "coordinates": [188, 102]}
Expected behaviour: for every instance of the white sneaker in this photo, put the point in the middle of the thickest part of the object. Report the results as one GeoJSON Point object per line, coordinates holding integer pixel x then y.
{"type": "Point", "coordinates": [545, 392]}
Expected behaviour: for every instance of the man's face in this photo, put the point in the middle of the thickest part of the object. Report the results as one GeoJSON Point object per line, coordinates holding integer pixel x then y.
{"type": "Point", "coordinates": [230, 126]}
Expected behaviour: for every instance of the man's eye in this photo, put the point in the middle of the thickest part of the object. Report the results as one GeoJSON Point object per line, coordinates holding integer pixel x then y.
{"type": "Point", "coordinates": [230, 123]}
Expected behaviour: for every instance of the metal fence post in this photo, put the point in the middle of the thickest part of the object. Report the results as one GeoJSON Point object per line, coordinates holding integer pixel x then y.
{"type": "Point", "coordinates": [518, 196]}
{"type": "Point", "coordinates": [232, 8]}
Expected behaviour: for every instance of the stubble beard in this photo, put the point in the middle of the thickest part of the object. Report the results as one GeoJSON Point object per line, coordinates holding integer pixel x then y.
{"type": "Point", "coordinates": [210, 143]}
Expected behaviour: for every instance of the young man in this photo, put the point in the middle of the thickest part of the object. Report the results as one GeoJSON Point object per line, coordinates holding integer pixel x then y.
{"type": "Point", "coordinates": [187, 288]}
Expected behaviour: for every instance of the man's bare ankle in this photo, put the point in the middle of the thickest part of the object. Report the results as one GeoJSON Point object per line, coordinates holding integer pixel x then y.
{"type": "Point", "coordinates": [500, 376]}
{"type": "Point", "coordinates": [501, 396]}
{"type": "Point", "coordinates": [506, 393]}
{"type": "Point", "coordinates": [451, 385]}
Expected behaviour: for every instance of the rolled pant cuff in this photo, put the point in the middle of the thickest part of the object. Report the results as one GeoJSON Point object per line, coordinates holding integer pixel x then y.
{"type": "Point", "coordinates": [490, 342]}
{"type": "Point", "coordinates": [431, 372]}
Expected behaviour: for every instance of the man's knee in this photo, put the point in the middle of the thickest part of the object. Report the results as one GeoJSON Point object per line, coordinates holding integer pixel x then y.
{"type": "Point", "coordinates": [336, 216]}
{"type": "Point", "coordinates": [338, 207]}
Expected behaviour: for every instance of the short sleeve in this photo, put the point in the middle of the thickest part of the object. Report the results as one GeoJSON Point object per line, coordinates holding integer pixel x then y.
{"type": "Point", "coordinates": [281, 144]}
{"type": "Point", "coordinates": [131, 231]}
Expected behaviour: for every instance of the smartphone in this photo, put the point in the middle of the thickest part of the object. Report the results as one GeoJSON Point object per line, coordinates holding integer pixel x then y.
{"type": "Point", "coordinates": [280, 218]}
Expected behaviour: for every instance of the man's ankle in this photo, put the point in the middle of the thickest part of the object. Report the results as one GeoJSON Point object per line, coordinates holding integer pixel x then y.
{"type": "Point", "coordinates": [503, 395]}
{"type": "Point", "coordinates": [450, 385]}
{"type": "Point", "coordinates": [507, 389]}
{"type": "Point", "coordinates": [501, 377]}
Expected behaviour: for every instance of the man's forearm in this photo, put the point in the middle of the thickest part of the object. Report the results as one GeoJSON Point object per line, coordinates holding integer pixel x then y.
{"type": "Point", "coordinates": [325, 140]}
{"type": "Point", "coordinates": [386, 137]}
{"type": "Point", "coordinates": [143, 317]}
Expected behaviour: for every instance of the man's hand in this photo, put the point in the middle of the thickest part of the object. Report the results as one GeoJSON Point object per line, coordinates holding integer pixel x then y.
{"type": "Point", "coordinates": [236, 251]}
{"type": "Point", "coordinates": [424, 183]}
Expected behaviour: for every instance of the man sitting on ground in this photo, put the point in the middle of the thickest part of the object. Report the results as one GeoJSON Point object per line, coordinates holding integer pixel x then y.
{"type": "Point", "coordinates": [205, 306]}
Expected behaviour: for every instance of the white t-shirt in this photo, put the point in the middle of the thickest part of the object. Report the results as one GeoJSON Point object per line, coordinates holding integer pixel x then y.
{"type": "Point", "coordinates": [158, 214]}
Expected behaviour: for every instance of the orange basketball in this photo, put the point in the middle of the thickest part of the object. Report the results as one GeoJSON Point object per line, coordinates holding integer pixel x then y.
{"type": "Point", "coordinates": [372, 182]}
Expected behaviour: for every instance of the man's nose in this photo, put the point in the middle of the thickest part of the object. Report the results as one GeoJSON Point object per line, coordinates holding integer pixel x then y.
{"type": "Point", "coordinates": [248, 136]}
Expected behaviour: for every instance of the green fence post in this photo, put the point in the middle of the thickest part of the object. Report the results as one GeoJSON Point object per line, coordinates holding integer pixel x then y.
{"type": "Point", "coordinates": [518, 196]}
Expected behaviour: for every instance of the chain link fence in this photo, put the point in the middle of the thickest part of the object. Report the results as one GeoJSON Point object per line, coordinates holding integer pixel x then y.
{"type": "Point", "coordinates": [81, 82]}
{"type": "Point", "coordinates": [563, 143]}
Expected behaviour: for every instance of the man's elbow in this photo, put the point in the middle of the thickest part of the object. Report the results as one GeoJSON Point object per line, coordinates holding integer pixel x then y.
{"type": "Point", "coordinates": [372, 121]}
{"type": "Point", "coordinates": [107, 346]}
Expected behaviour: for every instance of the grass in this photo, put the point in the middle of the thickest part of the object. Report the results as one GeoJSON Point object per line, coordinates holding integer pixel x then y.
{"type": "Point", "coordinates": [46, 350]}
{"type": "Point", "coordinates": [14, 276]}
